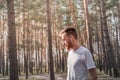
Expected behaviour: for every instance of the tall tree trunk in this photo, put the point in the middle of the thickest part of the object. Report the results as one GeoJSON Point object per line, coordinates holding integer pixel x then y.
{"type": "Point", "coordinates": [27, 47]}
{"type": "Point", "coordinates": [24, 38]}
{"type": "Point", "coordinates": [18, 52]}
{"type": "Point", "coordinates": [3, 65]}
{"type": "Point", "coordinates": [31, 50]}
{"type": "Point", "coordinates": [36, 56]}
{"type": "Point", "coordinates": [118, 8]}
{"type": "Point", "coordinates": [31, 61]}
{"type": "Point", "coordinates": [88, 29]}
{"type": "Point", "coordinates": [51, 69]}
{"type": "Point", "coordinates": [3, 49]}
{"type": "Point", "coordinates": [41, 58]}
{"type": "Point", "coordinates": [38, 51]}
{"type": "Point", "coordinates": [1, 59]}
{"type": "Point", "coordinates": [12, 41]}
{"type": "Point", "coordinates": [7, 60]}
{"type": "Point", "coordinates": [105, 64]}
{"type": "Point", "coordinates": [118, 34]}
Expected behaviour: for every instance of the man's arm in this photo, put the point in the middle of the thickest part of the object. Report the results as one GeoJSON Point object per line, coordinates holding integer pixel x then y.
{"type": "Point", "coordinates": [93, 73]}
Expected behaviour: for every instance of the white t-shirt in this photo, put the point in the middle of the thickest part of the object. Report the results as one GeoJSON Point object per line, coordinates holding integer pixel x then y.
{"type": "Point", "coordinates": [79, 62]}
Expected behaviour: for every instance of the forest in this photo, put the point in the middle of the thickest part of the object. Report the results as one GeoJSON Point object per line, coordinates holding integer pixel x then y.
{"type": "Point", "coordinates": [30, 42]}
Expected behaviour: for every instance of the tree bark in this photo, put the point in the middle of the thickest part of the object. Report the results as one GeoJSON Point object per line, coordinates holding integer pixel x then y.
{"type": "Point", "coordinates": [51, 69]}
{"type": "Point", "coordinates": [87, 25]}
{"type": "Point", "coordinates": [12, 41]}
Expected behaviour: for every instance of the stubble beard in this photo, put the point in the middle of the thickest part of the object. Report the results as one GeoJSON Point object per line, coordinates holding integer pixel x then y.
{"type": "Point", "coordinates": [69, 46]}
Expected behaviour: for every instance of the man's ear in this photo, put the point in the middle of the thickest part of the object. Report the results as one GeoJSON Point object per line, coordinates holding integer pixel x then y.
{"type": "Point", "coordinates": [71, 37]}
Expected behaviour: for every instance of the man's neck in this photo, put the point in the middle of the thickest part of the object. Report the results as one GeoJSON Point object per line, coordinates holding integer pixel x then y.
{"type": "Point", "coordinates": [76, 46]}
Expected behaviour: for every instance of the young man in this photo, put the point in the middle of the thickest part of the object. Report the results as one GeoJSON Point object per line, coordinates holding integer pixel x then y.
{"type": "Point", "coordinates": [80, 60]}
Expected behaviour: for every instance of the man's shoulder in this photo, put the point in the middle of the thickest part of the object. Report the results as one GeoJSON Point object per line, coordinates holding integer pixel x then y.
{"type": "Point", "coordinates": [83, 50]}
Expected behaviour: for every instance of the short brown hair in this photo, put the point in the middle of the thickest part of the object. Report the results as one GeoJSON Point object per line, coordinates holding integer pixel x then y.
{"type": "Point", "coordinates": [70, 31]}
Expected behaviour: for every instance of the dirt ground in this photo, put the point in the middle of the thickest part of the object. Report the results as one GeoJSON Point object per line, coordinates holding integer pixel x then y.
{"type": "Point", "coordinates": [57, 77]}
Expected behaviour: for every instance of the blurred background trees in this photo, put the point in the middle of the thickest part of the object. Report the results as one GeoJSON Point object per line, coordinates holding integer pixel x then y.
{"type": "Point", "coordinates": [97, 22]}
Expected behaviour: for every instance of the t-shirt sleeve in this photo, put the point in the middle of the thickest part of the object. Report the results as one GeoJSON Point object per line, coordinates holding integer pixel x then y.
{"type": "Point", "coordinates": [89, 60]}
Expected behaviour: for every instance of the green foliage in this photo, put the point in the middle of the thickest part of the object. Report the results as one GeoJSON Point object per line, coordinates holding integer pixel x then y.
{"type": "Point", "coordinates": [1, 6]}
{"type": "Point", "coordinates": [110, 4]}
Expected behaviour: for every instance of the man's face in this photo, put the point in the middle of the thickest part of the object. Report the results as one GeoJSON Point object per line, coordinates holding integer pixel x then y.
{"type": "Point", "coordinates": [66, 40]}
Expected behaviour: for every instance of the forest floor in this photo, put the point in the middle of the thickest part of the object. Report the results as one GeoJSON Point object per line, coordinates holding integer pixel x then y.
{"type": "Point", "coordinates": [62, 76]}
